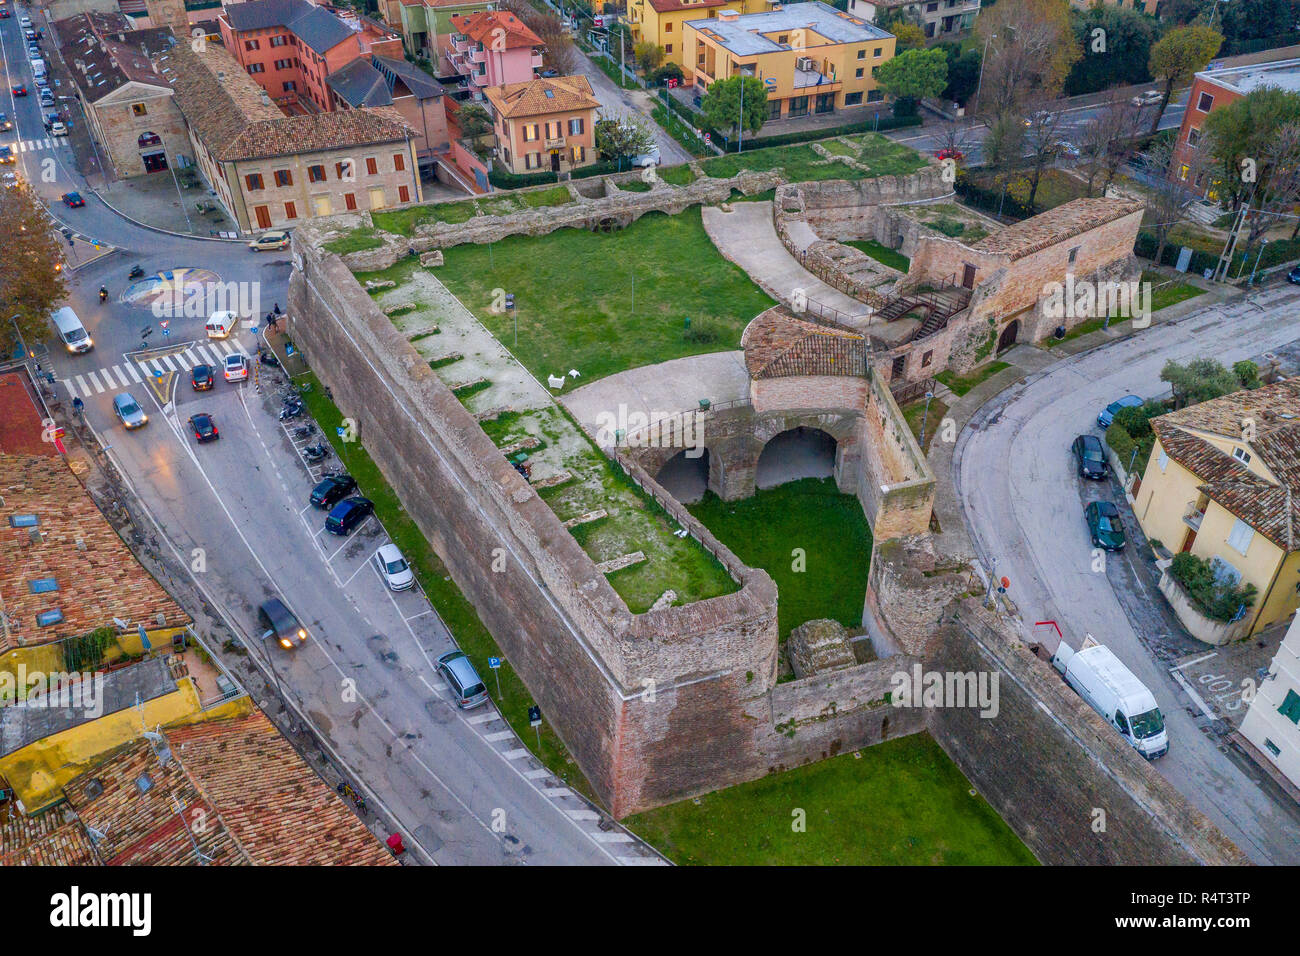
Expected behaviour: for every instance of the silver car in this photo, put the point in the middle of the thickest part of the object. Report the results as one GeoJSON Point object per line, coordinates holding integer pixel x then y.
{"type": "Point", "coordinates": [128, 411]}
{"type": "Point", "coordinates": [393, 568]}
{"type": "Point", "coordinates": [464, 680]}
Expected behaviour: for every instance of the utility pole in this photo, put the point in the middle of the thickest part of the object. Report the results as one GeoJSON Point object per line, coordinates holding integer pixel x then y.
{"type": "Point", "coordinates": [979, 87]}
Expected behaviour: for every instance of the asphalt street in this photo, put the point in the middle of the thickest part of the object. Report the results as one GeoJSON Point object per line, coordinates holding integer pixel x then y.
{"type": "Point", "coordinates": [1024, 506]}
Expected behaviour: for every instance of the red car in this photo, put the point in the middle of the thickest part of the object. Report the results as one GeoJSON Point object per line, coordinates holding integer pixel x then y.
{"type": "Point", "coordinates": [949, 153]}
{"type": "Point", "coordinates": [18, 90]}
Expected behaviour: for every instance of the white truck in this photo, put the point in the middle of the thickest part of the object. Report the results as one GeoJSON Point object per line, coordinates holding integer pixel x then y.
{"type": "Point", "coordinates": [1113, 691]}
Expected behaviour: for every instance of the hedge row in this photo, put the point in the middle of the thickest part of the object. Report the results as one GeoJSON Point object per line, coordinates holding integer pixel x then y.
{"type": "Point", "coordinates": [504, 180]}
{"type": "Point", "coordinates": [992, 200]}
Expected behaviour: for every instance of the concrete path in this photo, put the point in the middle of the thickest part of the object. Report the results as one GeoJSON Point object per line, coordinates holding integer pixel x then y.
{"type": "Point", "coordinates": [661, 390]}
{"type": "Point", "coordinates": [747, 236]}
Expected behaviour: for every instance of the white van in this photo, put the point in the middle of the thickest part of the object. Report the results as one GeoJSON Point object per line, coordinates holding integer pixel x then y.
{"type": "Point", "coordinates": [71, 332]}
{"type": "Point", "coordinates": [1115, 692]}
{"type": "Point", "coordinates": [38, 69]}
{"type": "Point", "coordinates": [221, 325]}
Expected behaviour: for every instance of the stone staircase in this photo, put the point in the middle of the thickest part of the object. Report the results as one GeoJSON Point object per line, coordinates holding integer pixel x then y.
{"type": "Point", "coordinates": [939, 305]}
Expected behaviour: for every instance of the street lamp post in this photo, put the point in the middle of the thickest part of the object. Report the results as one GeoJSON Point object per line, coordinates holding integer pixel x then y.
{"type": "Point", "coordinates": [925, 415]}
{"type": "Point", "coordinates": [979, 87]}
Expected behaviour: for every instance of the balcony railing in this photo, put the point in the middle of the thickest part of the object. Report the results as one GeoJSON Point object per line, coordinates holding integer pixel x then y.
{"type": "Point", "coordinates": [554, 143]}
{"type": "Point", "coordinates": [537, 58]}
{"type": "Point", "coordinates": [1193, 516]}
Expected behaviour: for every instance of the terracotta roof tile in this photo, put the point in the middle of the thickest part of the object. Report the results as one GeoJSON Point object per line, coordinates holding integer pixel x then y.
{"type": "Point", "coordinates": [233, 121]}
{"type": "Point", "coordinates": [483, 27]}
{"type": "Point", "coordinates": [777, 344]}
{"type": "Point", "coordinates": [1056, 225]}
{"type": "Point", "coordinates": [53, 838]}
{"type": "Point", "coordinates": [542, 96]}
{"type": "Point", "coordinates": [98, 577]}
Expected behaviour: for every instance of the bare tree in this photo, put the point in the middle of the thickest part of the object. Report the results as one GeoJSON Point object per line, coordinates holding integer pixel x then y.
{"type": "Point", "coordinates": [1042, 141]}
{"type": "Point", "coordinates": [1281, 185]}
{"type": "Point", "coordinates": [1108, 140]}
{"type": "Point", "coordinates": [1030, 48]}
{"type": "Point", "coordinates": [1171, 191]}
{"type": "Point", "coordinates": [560, 53]}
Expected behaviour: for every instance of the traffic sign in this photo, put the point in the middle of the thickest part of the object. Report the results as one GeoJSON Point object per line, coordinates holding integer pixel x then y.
{"type": "Point", "coordinates": [494, 662]}
{"type": "Point", "coordinates": [535, 715]}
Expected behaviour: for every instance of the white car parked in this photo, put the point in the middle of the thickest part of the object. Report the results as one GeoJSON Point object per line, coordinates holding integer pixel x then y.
{"type": "Point", "coordinates": [236, 367]}
{"type": "Point", "coordinates": [393, 568]}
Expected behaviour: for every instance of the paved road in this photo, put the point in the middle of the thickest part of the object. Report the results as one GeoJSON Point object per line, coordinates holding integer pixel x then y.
{"type": "Point", "coordinates": [1024, 506]}
{"type": "Point", "coordinates": [459, 784]}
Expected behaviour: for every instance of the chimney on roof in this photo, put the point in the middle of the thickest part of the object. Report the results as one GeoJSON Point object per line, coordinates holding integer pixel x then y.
{"type": "Point", "coordinates": [266, 99]}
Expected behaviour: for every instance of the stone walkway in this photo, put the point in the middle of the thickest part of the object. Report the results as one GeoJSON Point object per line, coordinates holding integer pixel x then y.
{"type": "Point", "coordinates": [660, 390]}
{"type": "Point", "coordinates": [747, 236]}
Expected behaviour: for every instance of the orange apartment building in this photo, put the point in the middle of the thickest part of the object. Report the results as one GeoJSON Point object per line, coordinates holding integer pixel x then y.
{"type": "Point", "coordinates": [1212, 89]}
{"type": "Point", "coordinates": [290, 47]}
{"type": "Point", "coordinates": [544, 124]}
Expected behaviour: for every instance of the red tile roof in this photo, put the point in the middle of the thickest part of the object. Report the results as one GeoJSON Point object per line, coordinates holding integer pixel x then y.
{"type": "Point", "coordinates": [484, 27]}
{"type": "Point", "coordinates": [98, 577]}
{"type": "Point", "coordinates": [542, 96]}
{"type": "Point", "coordinates": [1055, 226]}
{"type": "Point", "coordinates": [778, 344]}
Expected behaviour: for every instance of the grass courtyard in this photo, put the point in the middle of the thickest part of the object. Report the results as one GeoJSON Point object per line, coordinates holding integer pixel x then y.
{"type": "Point", "coordinates": [605, 302]}
{"type": "Point", "coordinates": [899, 803]}
{"type": "Point", "coordinates": [802, 163]}
{"type": "Point", "coordinates": [810, 514]}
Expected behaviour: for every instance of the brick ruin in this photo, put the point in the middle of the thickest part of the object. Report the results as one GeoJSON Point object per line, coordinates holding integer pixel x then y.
{"type": "Point", "coordinates": [678, 701]}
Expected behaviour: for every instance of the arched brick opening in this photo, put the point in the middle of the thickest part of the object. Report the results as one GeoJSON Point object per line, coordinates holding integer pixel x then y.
{"type": "Point", "coordinates": [686, 478]}
{"type": "Point", "coordinates": [804, 451]}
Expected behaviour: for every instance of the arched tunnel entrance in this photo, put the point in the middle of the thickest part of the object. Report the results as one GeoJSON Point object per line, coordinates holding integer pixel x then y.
{"type": "Point", "coordinates": [685, 478]}
{"type": "Point", "coordinates": [802, 452]}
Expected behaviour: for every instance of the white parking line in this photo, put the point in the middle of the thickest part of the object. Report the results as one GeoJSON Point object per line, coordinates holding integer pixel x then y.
{"type": "Point", "coordinates": [614, 836]}
{"type": "Point", "coordinates": [583, 814]}
{"type": "Point", "coordinates": [515, 754]}
{"type": "Point", "coordinates": [482, 718]}
{"type": "Point", "coordinates": [1197, 660]}
{"type": "Point", "coordinates": [537, 773]}
{"type": "Point", "coordinates": [499, 735]}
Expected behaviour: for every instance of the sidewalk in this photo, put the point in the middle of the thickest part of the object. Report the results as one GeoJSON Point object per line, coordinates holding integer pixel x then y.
{"type": "Point", "coordinates": [155, 200]}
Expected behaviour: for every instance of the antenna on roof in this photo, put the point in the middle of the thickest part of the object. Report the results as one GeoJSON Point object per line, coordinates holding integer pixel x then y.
{"type": "Point", "coordinates": [204, 859]}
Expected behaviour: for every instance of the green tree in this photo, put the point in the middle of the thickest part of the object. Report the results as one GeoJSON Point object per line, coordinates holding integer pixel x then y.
{"type": "Point", "coordinates": [909, 36]}
{"type": "Point", "coordinates": [722, 104]}
{"type": "Point", "coordinates": [1247, 373]}
{"type": "Point", "coordinates": [913, 75]}
{"type": "Point", "coordinates": [621, 138]}
{"type": "Point", "coordinates": [963, 72]}
{"type": "Point", "coordinates": [1115, 46]}
{"type": "Point", "coordinates": [1198, 381]}
{"type": "Point", "coordinates": [1177, 56]}
{"type": "Point", "coordinates": [473, 121]}
{"type": "Point", "coordinates": [648, 55]}
{"type": "Point", "coordinates": [669, 71]}
{"type": "Point", "coordinates": [31, 270]}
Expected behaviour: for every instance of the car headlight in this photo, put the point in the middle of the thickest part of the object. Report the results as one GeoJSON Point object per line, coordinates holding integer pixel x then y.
{"type": "Point", "coordinates": [285, 642]}
{"type": "Point", "coordinates": [302, 635]}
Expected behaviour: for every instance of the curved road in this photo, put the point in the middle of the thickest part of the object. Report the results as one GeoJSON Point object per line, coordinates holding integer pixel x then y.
{"type": "Point", "coordinates": [1024, 507]}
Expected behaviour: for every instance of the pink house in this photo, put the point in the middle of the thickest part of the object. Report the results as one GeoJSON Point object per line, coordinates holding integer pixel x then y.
{"type": "Point", "coordinates": [493, 48]}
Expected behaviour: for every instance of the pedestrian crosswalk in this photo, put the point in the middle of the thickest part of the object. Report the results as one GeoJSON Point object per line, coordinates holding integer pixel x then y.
{"type": "Point", "coordinates": [34, 145]}
{"type": "Point", "coordinates": [135, 371]}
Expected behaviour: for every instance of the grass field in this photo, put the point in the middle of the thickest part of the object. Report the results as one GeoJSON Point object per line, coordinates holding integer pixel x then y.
{"type": "Point", "coordinates": [355, 241]}
{"type": "Point", "coordinates": [603, 303]}
{"type": "Point", "coordinates": [802, 163]}
{"type": "Point", "coordinates": [810, 514]}
{"type": "Point", "coordinates": [899, 803]}
{"type": "Point", "coordinates": [881, 253]}
{"type": "Point", "coordinates": [915, 415]}
{"type": "Point", "coordinates": [961, 384]}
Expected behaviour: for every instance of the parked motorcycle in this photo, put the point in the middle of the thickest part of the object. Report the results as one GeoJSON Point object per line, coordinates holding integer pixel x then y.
{"type": "Point", "coordinates": [291, 409]}
{"type": "Point", "coordinates": [304, 431]}
{"type": "Point", "coordinates": [135, 273]}
{"type": "Point", "coordinates": [314, 453]}
{"type": "Point", "coordinates": [267, 357]}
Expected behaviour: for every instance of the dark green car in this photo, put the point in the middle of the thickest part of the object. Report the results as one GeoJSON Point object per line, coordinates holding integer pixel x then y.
{"type": "Point", "coordinates": [1105, 525]}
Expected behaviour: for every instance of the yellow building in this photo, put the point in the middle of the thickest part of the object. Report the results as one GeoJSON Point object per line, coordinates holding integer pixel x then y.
{"type": "Point", "coordinates": [663, 21]}
{"type": "Point", "coordinates": [812, 58]}
{"type": "Point", "coordinates": [1223, 483]}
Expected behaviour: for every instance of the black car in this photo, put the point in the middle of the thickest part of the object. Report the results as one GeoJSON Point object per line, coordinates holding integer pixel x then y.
{"type": "Point", "coordinates": [279, 622]}
{"type": "Point", "coordinates": [201, 377]}
{"type": "Point", "coordinates": [1089, 457]}
{"type": "Point", "coordinates": [347, 514]}
{"type": "Point", "coordinates": [1294, 275]}
{"type": "Point", "coordinates": [204, 428]}
{"type": "Point", "coordinates": [332, 489]}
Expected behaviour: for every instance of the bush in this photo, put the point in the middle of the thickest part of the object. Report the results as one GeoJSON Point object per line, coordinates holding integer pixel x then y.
{"type": "Point", "coordinates": [1247, 373]}
{"type": "Point", "coordinates": [991, 200]}
{"type": "Point", "coordinates": [506, 180]}
{"type": "Point", "coordinates": [1119, 440]}
{"type": "Point", "coordinates": [1137, 421]}
{"type": "Point", "coordinates": [702, 332]}
{"type": "Point", "coordinates": [1214, 597]}
{"type": "Point", "coordinates": [669, 71]}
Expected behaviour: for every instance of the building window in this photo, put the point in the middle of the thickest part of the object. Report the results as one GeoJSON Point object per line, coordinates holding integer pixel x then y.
{"type": "Point", "coordinates": [1183, 170]}
{"type": "Point", "coordinates": [403, 194]}
{"type": "Point", "coordinates": [290, 86]}
{"type": "Point", "coordinates": [876, 52]}
{"type": "Point", "coordinates": [862, 54]}
{"type": "Point", "coordinates": [927, 358]}
{"type": "Point", "coordinates": [315, 174]}
{"type": "Point", "coordinates": [875, 71]}
{"type": "Point", "coordinates": [372, 166]}
{"type": "Point", "coordinates": [875, 96]}
{"type": "Point", "coordinates": [344, 170]}
{"type": "Point", "coordinates": [576, 127]}
{"type": "Point", "coordinates": [290, 211]}
{"type": "Point", "coordinates": [774, 109]}
{"type": "Point", "coordinates": [1241, 455]}
{"type": "Point", "coordinates": [138, 109]}
{"type": "Point", "coordinates": [399, 162]}
{"type": "Point", "coordinates": [252, 44]}
{"type": "Point", "coordinates": [668, 28]}
{"type": "Point", "coordinates": [859, 72]}
{"type": "Point", "coordinates": [42, 585]}
{"type": "Point", "coordinates": [1272, 747]}
{"type": "Point", "coordinates": [531, 132]}
{"type": "Point", "coordinates": [1290, 708]}
{"type": "Point", "coordinates": [279, 41]}
{"type": "Point", "coordinates": [283, 177]}
{"type": "Point", "coordinates": [253, 181]}
{"type": "Point", "coordinates": [1205, 103]}
{"type": "Point", "coordinates": [1193, 136]}
{"type": "Point", "coordinates": [254, 68]}
{"type": "Point", "coordinates": [46, 618]}
{"type": "Point", "coordinates": [1240, 537]}
{"type": "Point", "coordinates": [898, 367]}
{"type": "Point", "coordinates": [798, 106]}
{"type": "Point", "coordinates": [579, 154]}
{"type": "Point", "coordinates": [350, 201]}
{"type": "Point", "coordinates": [853, 99]}
{"type": "Point", "coordinates": [668, 48]}
{"type": "Point", "coordinates": [1074, 254]}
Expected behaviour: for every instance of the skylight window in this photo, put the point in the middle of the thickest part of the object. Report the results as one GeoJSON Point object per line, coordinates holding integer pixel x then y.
{"type": "Point", "coordinates": [43, 585]}
{"type": "Point", "coordinates": [23, 521]}
{"type": "Point", "coordinates": [46, 618]}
